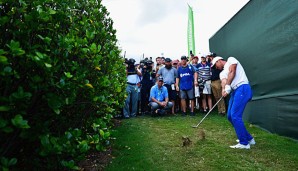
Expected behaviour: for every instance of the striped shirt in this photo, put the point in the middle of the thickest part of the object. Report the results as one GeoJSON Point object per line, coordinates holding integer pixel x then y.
{"type": "Point", "coordinates": [204, 71]}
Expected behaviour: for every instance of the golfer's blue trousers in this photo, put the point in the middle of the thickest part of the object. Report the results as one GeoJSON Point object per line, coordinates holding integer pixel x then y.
{"type": "Point", "coordinates": [238, 100]}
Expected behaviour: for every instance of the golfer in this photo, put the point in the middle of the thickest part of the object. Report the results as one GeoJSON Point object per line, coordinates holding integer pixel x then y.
{"type": "Point", "coordinates": [237, 84]}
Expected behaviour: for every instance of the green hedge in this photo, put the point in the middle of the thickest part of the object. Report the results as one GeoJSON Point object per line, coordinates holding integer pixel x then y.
{"type": "Point", "coordinates": [62, 80]}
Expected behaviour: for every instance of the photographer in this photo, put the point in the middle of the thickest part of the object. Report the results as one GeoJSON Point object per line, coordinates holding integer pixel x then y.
{"type": "Point", "coordinates": [133, 78]}
{"type": "Point", "coordinates": [146, 84]}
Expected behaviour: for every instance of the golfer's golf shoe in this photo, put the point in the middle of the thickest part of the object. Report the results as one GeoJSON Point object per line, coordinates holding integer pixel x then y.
{"type": "Point", "coordinates": [240, 146]}
{"type": "Point", "coordinates": [251, 142]}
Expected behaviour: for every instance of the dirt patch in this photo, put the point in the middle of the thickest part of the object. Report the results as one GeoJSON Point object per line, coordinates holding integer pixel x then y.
{"type": "Point", "coordinates": [97, 161]}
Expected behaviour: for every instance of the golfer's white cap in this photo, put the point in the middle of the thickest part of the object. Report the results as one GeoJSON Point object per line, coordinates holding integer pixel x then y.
{"type": "Point", "coordinates": [215, 60]}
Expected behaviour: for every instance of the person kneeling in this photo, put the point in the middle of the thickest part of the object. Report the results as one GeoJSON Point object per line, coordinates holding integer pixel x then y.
{"type": "Point", "coordinates": [159, 98]}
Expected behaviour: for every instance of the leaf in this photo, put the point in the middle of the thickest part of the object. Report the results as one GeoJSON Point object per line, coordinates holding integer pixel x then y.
{"type": "Point", "coordinates": [52, 11]}
{"type": "Point", "coordinates": [99, 147]}
{"type": "Point", "coordinates": [68, 74]}
{"type": "Point", "coordinates": [68, 135]}
{"type": "Point", "coordinates": [89, 85]}
{"type": "Point", "coordinates": [20, 94]}
{"type": "Point", "coordinates": [45, 141]}
{"type": "Point", "coordinates": [102, 133]}
{"type": "Point", "coordinates": [7, 69]}
{"type": "Point", "coordinates": [57, 111]}
{"type": "Point", "coordinates": [106, 135]}
{"type": "Point", "coordinates": [3, 59]}
{"type": "Point", "coordinates": [48, 65]}
{"type": "Point", "coordinates": [40, 55]}
{"type": "Point", "coordinates": [15, 48]}
{"type": "Point", "coordinates": [7, 129]}
{"type": "Point", "coordinates": [40, 36]}
{"type": "Point", "coordinates": [47, 40]}
{"type": "Point", "coordinates": [54, 102]}
{"type": "Point", "coordinates": [76, 132]}
{"type": "Point", "coordinates": [12, 162]}
{"type": "Point", "coordinates": [3, 123]}
{"type": "Point", "coordinates": [89, 34]}
{"type": "Point", "coordinates": [19, 122]}
{"type": "Point", "coordinates": [97, 68]}
{"type": "Point", "coordinates": [84, 146]}
{"type": "Point", "coordinates": [93, 48]}
{"type": "Point", "coordinates": [4, 108]}
{"type": "Point", "coordinates": [4, 161]}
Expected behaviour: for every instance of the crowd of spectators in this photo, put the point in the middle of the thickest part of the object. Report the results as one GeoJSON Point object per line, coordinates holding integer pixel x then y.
{"type": "Point", "coordinates": [172, 86]}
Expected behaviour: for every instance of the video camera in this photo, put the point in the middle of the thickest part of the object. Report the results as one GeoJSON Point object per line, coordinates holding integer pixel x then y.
{"type": "Point", "coordinates": [130, 66]}
{"type": "Point", "coordinates": [146, 64]}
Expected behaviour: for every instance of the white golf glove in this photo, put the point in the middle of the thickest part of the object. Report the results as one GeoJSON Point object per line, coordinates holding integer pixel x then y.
{"type": "Point", "coordinates": [228, 89]}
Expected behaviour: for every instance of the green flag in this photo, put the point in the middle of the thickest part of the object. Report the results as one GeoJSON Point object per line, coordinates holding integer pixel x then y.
{"type": "Point", "coordinates": [190, 32]}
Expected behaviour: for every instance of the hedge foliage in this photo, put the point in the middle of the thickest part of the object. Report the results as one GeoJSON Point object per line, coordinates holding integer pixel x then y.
{"type": "Point", "coordinates": [62, 80]}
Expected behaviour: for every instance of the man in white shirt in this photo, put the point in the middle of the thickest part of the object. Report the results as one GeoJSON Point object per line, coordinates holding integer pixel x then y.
{"type": "Point", "coordinates": [237, 81]}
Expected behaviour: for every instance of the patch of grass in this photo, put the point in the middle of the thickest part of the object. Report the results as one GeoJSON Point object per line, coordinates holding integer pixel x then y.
{"type": "Point", "coordinates": [146, 143]}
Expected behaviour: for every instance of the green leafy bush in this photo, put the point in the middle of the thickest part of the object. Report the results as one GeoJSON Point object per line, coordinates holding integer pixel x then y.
{"type": "Point", "coordinates": [62, 79]}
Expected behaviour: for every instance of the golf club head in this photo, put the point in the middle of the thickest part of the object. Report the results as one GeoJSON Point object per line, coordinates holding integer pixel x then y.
{"type": "Point", "coordinates": [195, 126]}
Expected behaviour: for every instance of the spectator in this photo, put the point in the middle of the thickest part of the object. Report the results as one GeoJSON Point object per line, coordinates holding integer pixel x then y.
{"type": "Point", "coordinates": [146, 84]}
{"type": "Point", "coordinates": [185, 84]}
{"type": "Point", "coordinates": [216, 88]}
{"type": "Point", "coordinates": [241, 95]}
{"type": "Point", "coordinates": [133, 79]}
{"type": "Point", "coordinates": [204, 70]}
{"type": "Point", "coordinates": [175, 64]}
{"type": "Point", "coordinates": [158, 64]}
{"type": "Point", "coordinates": [169, 75]}
{"type": "Point", "coordinates": [194, 61]}
{"type": "Point", "coordinates": [159, 100]}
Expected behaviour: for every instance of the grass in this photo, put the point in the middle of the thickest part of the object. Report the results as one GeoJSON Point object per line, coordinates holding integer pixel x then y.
{"type": "Point", "coordinates": [146, 143]}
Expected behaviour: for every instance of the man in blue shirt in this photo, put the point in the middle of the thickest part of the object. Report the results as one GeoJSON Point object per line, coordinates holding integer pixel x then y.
{"type": "Point", "coordinates": [159, 100]}
{"type": "Point", "coordinates": [185, 82]}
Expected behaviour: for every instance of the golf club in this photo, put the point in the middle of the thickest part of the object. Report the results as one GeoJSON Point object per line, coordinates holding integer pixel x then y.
{"type": "Point", "coordinates": [195, 126]}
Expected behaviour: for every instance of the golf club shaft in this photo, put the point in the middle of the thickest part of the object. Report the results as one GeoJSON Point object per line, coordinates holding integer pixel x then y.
{"type": "Point", "coordinates": [209, 112]}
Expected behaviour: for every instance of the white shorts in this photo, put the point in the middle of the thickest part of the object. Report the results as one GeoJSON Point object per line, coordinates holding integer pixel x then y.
{"type": "Point", "coordinates": [207, 87]}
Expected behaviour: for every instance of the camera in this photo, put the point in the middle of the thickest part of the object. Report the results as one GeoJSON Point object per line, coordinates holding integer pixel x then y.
{"type": "Point", "coordinates": [130, 66]}
{"type": "Point", "coordinates": [201, 84]}
{"type": "Point", "coordinates": [146, 64]}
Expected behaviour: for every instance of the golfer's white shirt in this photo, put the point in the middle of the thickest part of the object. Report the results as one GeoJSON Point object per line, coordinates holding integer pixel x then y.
{"type": "Point", "coordinates": [240, 76]}
{"type": "Point", "coordinates": [223, 74]}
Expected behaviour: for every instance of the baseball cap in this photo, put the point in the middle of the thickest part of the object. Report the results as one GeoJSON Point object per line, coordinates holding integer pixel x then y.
{"type": "Point", "coordinates": [195, 57]}
{"type": "Point", "coordinates": [203, 56]}
{"type": "Point", "coordinates": [160, 78]}
{"type": "Point", "coordinates": [168, 60]}
{"type": "Point", "coordinates": [215, 60]}
{"type": "Point", "coordinates": [212, 54]}
{"type": "Point", "coordinates": [183, 57]}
